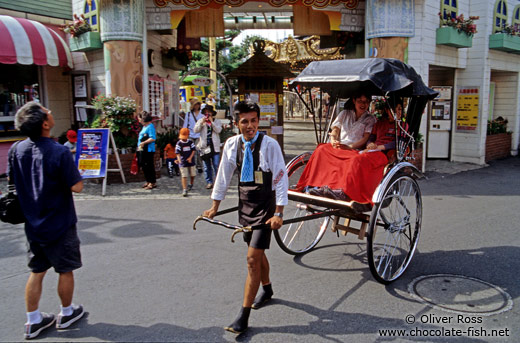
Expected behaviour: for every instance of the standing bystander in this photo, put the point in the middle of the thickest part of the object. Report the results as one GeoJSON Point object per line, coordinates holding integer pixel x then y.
{"type": "Point", "coordinates": [185, 150]}
{"type": "Point", "coordinates": [72, 139]}
{"type": "Point", "coordinates": [262, 191]}
{"type": "Point", "coordinates": [170, 157]}
{"type": "Point", "coordinates": [146, 146]}
{"type": "Point", "coordinates": [191, 118]}
{"type": "Point", "coordinates": [45, 176]}
{"type": "Point", "coordinates": [209, 128]}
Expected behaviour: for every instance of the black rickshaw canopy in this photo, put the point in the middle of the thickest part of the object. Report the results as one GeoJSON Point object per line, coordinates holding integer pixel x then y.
{"type": "Point", "coordinates": [377, 76]}
{"type": "Point", "coordinates": [387, 77]}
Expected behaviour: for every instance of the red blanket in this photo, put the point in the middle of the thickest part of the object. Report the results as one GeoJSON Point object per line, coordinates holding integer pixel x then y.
{"type": "Point", "coordinates": [356, 174]}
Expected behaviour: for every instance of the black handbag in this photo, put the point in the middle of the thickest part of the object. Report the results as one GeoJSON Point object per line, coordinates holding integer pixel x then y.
{"type": "Point", "coordinates": [10, 209]}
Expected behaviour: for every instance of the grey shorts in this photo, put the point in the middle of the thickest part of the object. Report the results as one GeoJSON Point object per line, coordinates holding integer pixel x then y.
{"type": "Point", "coordinates": [63, 254]}
{"type": "Point", "coordinates": [259, 238]}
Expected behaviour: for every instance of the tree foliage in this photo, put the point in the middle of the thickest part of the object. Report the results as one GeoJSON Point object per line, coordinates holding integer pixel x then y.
{"type": "Point", "coordinates": [235, 54]}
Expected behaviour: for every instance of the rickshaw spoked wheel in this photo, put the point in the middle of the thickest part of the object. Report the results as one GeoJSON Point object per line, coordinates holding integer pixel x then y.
{"type": "Point", "coordinates": [395, 225]}
{"type": "Point", "coordinates": [300, 237]}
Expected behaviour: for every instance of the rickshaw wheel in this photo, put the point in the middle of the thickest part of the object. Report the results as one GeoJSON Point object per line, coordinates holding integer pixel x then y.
{"type": "Point", "coordinates": [395, 225]}
{"type": "Point", "coordinates": [300, 237]}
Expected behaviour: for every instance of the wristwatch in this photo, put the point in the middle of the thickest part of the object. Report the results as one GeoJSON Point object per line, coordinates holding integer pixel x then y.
{"type": "Point", "coordinates": [278, 214]}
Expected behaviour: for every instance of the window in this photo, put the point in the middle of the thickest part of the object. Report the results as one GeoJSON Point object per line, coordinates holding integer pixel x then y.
{"type": "Point", "coordinates": [516, 16]}
{"type": "Point", "coordinates": [500, 18]}
{"type": "Point", "coordinates": [449, 9]}
{"type": "Point", "coordinates": [91, 14]}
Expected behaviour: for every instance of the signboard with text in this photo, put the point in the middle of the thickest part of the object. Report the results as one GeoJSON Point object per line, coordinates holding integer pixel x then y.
{"type": "Point", "coordinates": [91, 152]}
{"type": "Point", "coordinates": [468, 109]}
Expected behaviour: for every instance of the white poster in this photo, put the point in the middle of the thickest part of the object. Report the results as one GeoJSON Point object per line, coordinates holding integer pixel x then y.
{"type": "Point", "coordinates": [80, 86]}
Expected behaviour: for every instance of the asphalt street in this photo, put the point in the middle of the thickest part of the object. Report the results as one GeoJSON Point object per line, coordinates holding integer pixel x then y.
{"type": "Point", "coordinates": [148, 276]}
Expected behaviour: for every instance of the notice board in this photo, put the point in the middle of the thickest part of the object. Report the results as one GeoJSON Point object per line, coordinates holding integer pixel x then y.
{"type": "Point", "coordinates": [92, 152]}
{"type": "Point", "coordinates": [468, 109]}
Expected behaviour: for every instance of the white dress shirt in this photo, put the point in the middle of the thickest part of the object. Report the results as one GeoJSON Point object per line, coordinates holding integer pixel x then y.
{"type": "Point", "coordinates": [271, 160]}
{"type": "Point", "coordinates": [352, 129]}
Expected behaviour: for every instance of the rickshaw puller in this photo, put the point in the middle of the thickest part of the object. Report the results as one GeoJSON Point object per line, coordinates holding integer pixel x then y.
{"type": "Point", "coordinates": [262, 196]}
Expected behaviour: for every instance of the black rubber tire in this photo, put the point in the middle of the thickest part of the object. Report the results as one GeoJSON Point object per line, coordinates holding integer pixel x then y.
{"type": "Point", "coordinates": [391, 243]}
{"type": "Point", "coordinates": [299, 238]}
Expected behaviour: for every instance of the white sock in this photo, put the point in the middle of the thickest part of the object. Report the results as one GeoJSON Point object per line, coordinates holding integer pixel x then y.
{"type": "Point", "coordinates": [34, 317]}
{"type": "Point", "coordinates": [66, 311]}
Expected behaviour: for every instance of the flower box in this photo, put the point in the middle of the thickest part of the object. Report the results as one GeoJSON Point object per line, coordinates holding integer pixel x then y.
{"type": "Point", "coordinates": [498, 146]}
{"type": "Point", "coordinates": [504, 42]}
{"type": "Point", "coordinates": [450, 36]}
{"type": "Point", "coordinates": [86, 42]}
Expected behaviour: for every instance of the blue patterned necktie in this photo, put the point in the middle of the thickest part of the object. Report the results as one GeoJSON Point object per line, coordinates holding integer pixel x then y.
{"type": "Point", "coordinates": [247, 164]}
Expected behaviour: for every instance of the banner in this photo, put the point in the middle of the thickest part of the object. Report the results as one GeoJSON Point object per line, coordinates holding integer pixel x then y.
{"type": "Point", "coordinates": [92, 152]}
{"type": "Point", "coordinates": [390, 18]}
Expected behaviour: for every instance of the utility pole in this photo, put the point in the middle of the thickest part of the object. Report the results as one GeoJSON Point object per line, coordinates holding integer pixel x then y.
{"type": "Point", "coordinates": [213, 63]}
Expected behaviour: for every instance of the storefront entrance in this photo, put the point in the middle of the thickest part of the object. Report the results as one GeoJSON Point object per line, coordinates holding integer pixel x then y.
{"type": "Point", "coordinates": [440, 113]}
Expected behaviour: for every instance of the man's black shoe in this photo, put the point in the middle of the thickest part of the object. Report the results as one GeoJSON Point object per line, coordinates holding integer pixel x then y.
{"type": "Point", "coordinates": [33, 330]}
{"type": "Point", "coordinates": [317, 191]}
{"type": "Point", "coordinates": [66, 321]}
{"type": "Point", "coordinates": [240, 324]}
{"type": "Point", "coordinates": [336, 194]}
{"type": "Point", "coordinates": [266, 294]}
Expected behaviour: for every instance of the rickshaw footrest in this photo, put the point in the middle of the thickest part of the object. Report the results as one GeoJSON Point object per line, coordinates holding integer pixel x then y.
{"type": "Point", "coordinates": [346, 228]}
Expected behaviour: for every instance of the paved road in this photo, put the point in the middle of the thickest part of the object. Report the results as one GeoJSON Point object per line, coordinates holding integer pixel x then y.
{"type": "Point", "coordinates": [148, 276]}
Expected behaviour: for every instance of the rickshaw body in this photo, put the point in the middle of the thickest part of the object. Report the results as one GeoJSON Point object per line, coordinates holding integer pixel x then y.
{"type": "Point", "coordinates": [391, 223]}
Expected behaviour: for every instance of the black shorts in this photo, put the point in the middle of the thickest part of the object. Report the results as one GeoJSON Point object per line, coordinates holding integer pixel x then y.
{"type": "Point", "coordinates": [259, 238]}
{"type": "Point", "coordinates": [62, 254]}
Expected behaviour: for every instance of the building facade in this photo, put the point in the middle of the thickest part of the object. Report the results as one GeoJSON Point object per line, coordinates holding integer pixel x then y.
{"type": "Point", "coordinates": [478, 80]}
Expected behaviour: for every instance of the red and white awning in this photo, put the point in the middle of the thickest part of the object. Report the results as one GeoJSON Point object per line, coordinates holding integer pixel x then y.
{"type": "Point", "coordinates": [30, 42]}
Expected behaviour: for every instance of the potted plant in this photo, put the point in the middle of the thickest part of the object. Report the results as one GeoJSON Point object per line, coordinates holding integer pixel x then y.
{"type": "Point", "coordinates": [498, 139]}
{"type": "Point", "coordinates": [118, 114]}
{"type": "Point", "coordinates": [507, 39]}
{"type": "Point", "coordinates": [456, 31]}
{"type": "Point", "coordinates": [82, 36]}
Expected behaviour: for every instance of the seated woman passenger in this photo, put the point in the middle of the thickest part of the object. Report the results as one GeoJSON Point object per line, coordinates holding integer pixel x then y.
{"type": "Point", "coordinates": [350, 174]}
{"type": "Point", "coordinates": [350, 131]}
{"type": "Point", "coordinates": [382, 137]}
{"type": "Point", "coordinates": [353, 125]}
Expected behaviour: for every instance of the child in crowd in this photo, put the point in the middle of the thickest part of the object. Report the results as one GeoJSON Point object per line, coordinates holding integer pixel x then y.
{"type": "Point", "coordinates": [72, 138]}
{"type": "Point", "coordinates": [185, 150]}
{"type": "Point", "coordinates": [170, 156]}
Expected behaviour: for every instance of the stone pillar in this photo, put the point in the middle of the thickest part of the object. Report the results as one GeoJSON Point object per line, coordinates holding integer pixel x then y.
{"type": "Point", "coordinates": [122, 33]}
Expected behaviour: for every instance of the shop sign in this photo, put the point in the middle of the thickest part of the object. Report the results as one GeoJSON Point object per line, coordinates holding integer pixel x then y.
{"type": "Point", "coordinates": [467, 109]}
{"type": "Point", "coordinates": [91, 152]}
{"type": "Point", "coordinates": [202, 81]}
{"type": "Point", "coordinates": [267, 103]}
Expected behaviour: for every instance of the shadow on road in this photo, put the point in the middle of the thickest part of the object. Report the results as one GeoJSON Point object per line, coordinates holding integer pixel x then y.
{"type": "Point", "coordinates": [491, 264]}
{"type": "Point", "coordinates": [160, 332]}
{"type": "Point", "coordinates": [332, 323]}
{"type": "Point", "coordinates": [12, 237]}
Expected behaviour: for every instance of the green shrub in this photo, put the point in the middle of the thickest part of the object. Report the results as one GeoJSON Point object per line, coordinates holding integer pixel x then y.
{"type": "Point", "coordinates": [496, 126]}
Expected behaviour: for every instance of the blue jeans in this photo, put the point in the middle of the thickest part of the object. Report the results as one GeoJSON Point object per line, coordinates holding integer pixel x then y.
{"type": "Point", "coordinates": [210, 165]}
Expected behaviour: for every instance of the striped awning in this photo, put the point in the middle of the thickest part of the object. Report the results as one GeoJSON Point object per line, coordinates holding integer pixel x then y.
{"type": "Point", "coordinates": [26, 41]}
